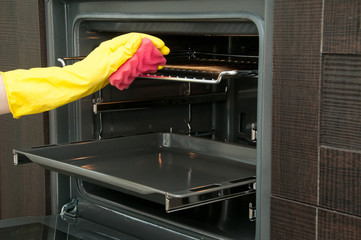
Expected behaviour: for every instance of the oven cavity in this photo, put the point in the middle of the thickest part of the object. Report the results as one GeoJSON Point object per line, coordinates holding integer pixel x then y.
{"type": "Point", "coordinates": [175, 155]}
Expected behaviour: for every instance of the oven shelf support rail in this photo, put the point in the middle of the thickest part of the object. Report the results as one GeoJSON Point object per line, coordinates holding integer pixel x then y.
{"type": "Point", "coordinates": [102, 107]}
{"type": "Point", "coordinates": [69, 212]}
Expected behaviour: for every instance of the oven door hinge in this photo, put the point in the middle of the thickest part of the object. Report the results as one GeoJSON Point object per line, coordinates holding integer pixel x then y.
{"type": "Point", "coordinates": [252, 212]}
{"type": "Point", "coordinates": [69, 212]}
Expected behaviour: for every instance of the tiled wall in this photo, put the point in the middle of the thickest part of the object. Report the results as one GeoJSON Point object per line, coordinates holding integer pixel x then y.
{"type": "Point", "coordinates": [316, 145]}
{"type": "Point", "coordinates": [22, 45]}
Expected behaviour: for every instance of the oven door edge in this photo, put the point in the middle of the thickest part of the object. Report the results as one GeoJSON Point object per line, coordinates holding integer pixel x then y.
{"type": "Point", "coordinates": [54, 227]}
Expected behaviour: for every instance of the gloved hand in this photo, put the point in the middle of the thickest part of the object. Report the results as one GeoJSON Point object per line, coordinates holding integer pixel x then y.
{"type": "Point", "coordinates": [147, 59]}
{"type": "Point", "coordinates": [41, 89]}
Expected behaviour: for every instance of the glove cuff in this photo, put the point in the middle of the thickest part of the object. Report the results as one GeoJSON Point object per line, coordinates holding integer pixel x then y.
{"type": "Point", "coordinates": [6, 96]}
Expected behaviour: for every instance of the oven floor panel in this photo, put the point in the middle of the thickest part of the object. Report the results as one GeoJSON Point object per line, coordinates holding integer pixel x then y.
{"type": "Point", "coordinates": [183, 170]}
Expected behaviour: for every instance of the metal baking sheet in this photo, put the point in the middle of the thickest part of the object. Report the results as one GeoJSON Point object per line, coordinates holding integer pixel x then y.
{"type": "Point", "coordinates": [176, 170]}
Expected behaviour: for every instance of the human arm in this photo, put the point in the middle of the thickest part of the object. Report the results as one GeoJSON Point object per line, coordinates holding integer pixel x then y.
{"type": "Point", "coordinates": [4, 105]}
{"type": "Point", "coordinates": [41, 89]}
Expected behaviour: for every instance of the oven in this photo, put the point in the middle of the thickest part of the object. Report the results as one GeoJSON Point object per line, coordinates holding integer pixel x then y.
{"type": "Point", "coordinates": [183, 153]}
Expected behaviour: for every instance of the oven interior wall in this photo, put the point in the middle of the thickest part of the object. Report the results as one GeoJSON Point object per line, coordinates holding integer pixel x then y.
{"type": "Point", "coordinates": [232, 118]}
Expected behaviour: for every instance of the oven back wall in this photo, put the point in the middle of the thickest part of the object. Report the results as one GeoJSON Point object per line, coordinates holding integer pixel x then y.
{"type": "Point", "coordinates": [22, 45]}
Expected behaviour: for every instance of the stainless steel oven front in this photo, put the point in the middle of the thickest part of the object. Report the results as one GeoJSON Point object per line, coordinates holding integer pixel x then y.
{"type": "Point", "coordinates": [183, 153]}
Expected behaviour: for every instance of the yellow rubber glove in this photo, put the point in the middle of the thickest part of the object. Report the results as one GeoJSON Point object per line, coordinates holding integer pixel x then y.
{"type": "Point", "coordinates": [41, 89]}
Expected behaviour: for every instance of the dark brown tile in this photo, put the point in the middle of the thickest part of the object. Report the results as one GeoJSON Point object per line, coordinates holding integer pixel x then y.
{"type": "Point", "coordinates": [336, 226]}
{"type": "Point", "coordinates": [340, 178]}
{"type": "Point", "coordinates": [291, 220]}
{"type": "Point", "coordinates": [341, 32]}
{"type": "Point", "coordinates": [296, 74]}
{"type": "Point", "coordinates": [341, 101]}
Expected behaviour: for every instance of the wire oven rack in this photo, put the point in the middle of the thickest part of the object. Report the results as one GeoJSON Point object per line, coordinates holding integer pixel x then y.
{"type": "Point", "coordinates": [198, 67]}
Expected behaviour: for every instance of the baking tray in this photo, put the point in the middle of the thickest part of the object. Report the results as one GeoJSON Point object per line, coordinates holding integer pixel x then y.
{"type": "Point", "coordinates": [176, 170]}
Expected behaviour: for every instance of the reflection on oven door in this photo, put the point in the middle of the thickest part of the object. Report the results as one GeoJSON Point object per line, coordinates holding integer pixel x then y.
{"type": "Point", "coordinates": [54, 227]}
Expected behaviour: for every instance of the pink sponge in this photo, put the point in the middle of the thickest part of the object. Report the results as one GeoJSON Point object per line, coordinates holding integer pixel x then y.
{"type": "Point", "coordinates": [145, 60]}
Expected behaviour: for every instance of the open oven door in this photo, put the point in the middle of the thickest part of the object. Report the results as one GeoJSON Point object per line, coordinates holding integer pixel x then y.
{"type": "Point", "coordinates": [56, 228]}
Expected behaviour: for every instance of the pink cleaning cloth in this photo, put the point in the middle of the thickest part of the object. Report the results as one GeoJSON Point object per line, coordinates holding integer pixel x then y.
{"type": "Point", "coordinates": [145, 60]}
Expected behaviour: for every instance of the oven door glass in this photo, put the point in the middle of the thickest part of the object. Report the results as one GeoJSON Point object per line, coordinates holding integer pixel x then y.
{"type": "Point", "coordinates": [54, 227]}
